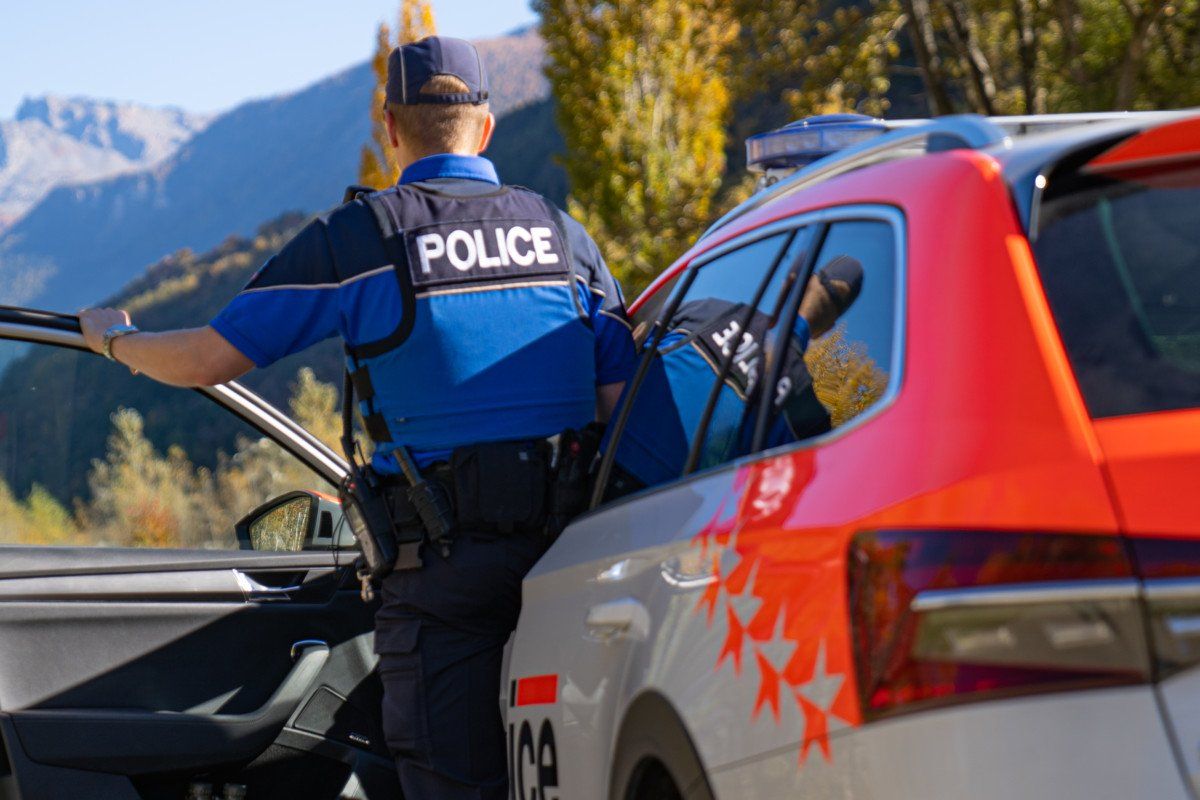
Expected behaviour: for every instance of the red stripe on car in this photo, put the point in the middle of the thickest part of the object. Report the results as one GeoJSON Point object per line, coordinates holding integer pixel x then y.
{"type": "Point", "coordinates": [537, 690]}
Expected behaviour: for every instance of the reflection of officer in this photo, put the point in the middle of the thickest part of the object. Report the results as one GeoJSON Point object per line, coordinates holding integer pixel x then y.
{"type": "Point", "coordinates": [487, 323]}
{"type": "Point", "coordinates": [703, 334]}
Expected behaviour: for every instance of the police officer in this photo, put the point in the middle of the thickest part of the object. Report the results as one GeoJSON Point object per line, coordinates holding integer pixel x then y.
{"type": "Point", "coordinates": [479, 320]}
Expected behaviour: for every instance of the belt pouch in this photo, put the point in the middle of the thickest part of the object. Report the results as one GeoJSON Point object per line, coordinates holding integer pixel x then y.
{"type": "Point", "coordinates": [501, 486]}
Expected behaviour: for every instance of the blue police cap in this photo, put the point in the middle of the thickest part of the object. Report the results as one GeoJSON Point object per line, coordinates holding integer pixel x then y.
{"type": "Point", "coordinates": [411, 66]}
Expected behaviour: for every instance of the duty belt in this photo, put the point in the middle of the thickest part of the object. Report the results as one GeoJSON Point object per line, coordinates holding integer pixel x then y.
{"type": "Point", "coordinates": [494, 489]}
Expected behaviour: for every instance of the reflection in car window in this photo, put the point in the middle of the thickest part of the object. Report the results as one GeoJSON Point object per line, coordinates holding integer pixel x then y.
{"type": "Point", "coordinates": [819, 385]}
{"type": "Point", "coordinates": [92, 456]}
{"type": "Point", "coordinates": [850, 365]}
{"type": "Point", "coordinates": [714, 322]}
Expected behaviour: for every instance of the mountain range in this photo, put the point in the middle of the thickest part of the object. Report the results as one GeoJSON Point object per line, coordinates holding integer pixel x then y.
{"type": "Point", "coordinates": [65, 140]}
{"type": "Point", "coordinates": [81, 243]}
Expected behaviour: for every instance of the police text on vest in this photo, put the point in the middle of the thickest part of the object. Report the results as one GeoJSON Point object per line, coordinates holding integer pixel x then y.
{"type": "Point", "coordinates": [502, 247]}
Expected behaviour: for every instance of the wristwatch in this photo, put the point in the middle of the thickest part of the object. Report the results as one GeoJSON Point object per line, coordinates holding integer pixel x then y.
{"type": "Point", "coordinates": [115, 332]}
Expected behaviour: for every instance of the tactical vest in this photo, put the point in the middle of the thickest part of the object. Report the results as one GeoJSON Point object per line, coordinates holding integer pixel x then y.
{"type": "Point", "coordinates": [493, 342]}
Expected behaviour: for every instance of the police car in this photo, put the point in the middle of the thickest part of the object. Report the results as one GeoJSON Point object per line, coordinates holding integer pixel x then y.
{"type": "Point", "coordinates": [983, 578]}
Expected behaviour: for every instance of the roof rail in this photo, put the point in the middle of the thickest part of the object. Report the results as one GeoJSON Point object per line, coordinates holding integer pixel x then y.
{"type": "Point", "coordinates": [908, 137]}
{"type": "Point", "coordinates": [1020, 125]}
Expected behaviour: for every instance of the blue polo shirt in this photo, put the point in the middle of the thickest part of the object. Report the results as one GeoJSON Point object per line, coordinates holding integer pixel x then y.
{"type": "Point", "coordinates": [302, 296]}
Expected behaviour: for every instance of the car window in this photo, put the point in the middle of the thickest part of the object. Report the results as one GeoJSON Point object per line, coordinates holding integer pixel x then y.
{"type": "Point", "coordinates": [839, 365]}
{"type": "Point", "coordinates": [715, 326]}
{"type": "Point", "coordinates": [851, 365]}
{"type": "Point", "coordinates": [1120, 263]}
{"type": "Point", "coordinates": [93, 456]}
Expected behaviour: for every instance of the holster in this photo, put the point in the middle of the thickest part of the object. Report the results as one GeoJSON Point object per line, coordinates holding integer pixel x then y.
{"type": "Point", "coordinates": [492, 489]}
{"type": "Point", "coordinates": [370, 520]}
{"type": "Point", "coordinates": [499, 489]}
{"type": "Point", "coordinates": [571, 486]}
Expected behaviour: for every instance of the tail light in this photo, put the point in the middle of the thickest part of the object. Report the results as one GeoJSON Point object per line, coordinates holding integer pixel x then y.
{"type": "Point", "coordinates": [942, 617]}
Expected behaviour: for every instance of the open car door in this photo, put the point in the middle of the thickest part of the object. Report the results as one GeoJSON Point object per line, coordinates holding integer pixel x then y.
{"type": "Point", "coordinates": [177, 597]}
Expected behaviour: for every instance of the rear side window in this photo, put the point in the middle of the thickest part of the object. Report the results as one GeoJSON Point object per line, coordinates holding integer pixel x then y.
{"type": "Point", "coordinates": [738, 369]}
{"type": "Point", "coordinates": [721, 314]}
{"type": "Point", "coordinates": [1120, 262]}
{"type": "Point", "coordinates": [845, 370]}
{"type": "Point", "coordinates": [851, 365]}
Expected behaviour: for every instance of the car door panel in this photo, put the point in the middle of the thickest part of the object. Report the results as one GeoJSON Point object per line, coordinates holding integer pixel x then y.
{"type": "Point", "coordinates": [177, 668]}
{"type": "Point", "coordinates": [137, 742]}
{"type": "Point", "coordinates": [109, 640]}
{"type": "Point", "coordinates": [130, 672]}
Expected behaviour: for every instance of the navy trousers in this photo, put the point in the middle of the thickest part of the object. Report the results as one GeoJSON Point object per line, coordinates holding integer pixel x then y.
{"type": "Point", "coordinates": [440, 635]}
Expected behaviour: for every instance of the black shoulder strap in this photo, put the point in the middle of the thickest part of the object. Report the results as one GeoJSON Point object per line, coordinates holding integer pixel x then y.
{"type": "Point", "coordinates": [348, 417]}
{"type": "Point", "coordinates": [393, 242]}
{"type": "Point", "coordinates": [358, 380]}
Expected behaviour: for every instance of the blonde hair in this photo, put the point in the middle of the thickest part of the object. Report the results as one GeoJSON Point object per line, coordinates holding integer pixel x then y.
{"type": "Point", "coordinates": [431, 128]}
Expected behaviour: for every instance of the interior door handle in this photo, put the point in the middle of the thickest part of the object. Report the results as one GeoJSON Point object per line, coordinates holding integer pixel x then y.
{"type": "Point", "coordinates": [255, 591]}
{"type": "Point", "coordinates": [624, 617]}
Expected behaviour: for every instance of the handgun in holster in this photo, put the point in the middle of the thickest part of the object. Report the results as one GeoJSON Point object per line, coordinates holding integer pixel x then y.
{"type": "Point", "coordinates": [432, 504]}
{"type": "Point", "coordinates": [384, 546]}
{"type": "Point", "coordinates": [571, 482]}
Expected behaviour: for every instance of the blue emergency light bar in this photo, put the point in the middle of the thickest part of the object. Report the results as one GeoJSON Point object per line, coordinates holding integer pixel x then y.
{"type": "Point", "coordinates": [802, 142]}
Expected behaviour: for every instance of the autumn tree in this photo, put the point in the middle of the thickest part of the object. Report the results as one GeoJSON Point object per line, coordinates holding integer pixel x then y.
{"type": "Point", "coordinates": [1039, 56]}
{"type": "Point", "coordinates": [643, 99]}
{"type": "Point", "coordinates": [376, 167]}
{"type": "Point", "coordinates": [797, 58]}
{"type": "Point", "coordinates": [142, 498]}
{"type": "Point", "coordinates": [314, 406]}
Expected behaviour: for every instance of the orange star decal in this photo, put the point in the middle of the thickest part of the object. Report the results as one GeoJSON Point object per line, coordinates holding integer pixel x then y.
{"type": "Point", "coordinates": [785, 595]}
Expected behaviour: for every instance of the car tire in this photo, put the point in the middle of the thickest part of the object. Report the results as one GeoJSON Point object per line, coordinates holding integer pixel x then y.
{"type": "Point", "coordinates": [654, 758]}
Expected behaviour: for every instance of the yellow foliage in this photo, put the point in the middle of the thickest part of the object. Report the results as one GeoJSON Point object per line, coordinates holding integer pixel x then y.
{"type": "Point", "coordinates": [642, 102]}
{"type": "Point", "coordinates": [37, 520]}
{"type": "Point", "coordinates": [816, 59]}
{"type": "Point", "coordinates": [314, 405]}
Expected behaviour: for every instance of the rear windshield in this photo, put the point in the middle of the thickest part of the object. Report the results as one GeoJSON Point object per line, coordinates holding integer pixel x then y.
{"type": "Point", "coordinates": [1120, 261]}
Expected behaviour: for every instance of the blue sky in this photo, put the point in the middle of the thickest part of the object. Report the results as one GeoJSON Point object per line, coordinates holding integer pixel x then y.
{"type": "Point", "coordinates": [204, 55]}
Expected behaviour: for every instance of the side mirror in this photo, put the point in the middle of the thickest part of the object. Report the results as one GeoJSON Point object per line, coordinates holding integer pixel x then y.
{"type": "Point", "coordinates": [293, 522]}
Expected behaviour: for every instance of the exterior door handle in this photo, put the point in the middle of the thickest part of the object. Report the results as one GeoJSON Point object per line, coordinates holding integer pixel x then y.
{"type": "Point", "coordinates": [624, 617]}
